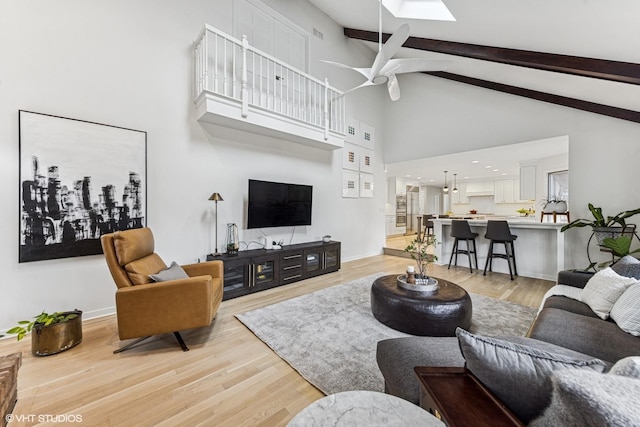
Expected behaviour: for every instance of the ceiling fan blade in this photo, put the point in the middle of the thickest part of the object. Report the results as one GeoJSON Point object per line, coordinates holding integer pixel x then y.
{"type": "Point", "coordinates": [394, 87]}
{"type": "Point", "coordinates": [412, 65]}
{"type": "Point", "coordinates": [364, 71]}
{"type": "Point", "coordinates": [390, 48]}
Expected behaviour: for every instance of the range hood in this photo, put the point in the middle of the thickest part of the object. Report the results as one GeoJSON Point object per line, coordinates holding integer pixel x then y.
{"type": "Point", "coordinates": [482, 188]}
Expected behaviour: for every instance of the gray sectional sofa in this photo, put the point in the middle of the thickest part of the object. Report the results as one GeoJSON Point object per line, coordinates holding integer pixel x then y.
{"type": "Point", "coordinates": [565, 334]}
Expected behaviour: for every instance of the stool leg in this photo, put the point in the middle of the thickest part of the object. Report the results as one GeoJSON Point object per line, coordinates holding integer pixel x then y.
{"type": "Point", "coordinates": [513, 254]}
{"type": "Point", "coordinates": [506, 251]}
{"type": "Point", "coordinates": [469, 255]}
{"type": "Point", "coordinates": [475, 253]}
{"type": "Point", "coordinates": [486, 264]}
{"type": "Point", "coordinates": [453, 251]}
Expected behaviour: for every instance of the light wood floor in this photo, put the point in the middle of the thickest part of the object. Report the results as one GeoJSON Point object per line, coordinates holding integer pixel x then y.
{"type": "Point", "coordinates": [228, 378]}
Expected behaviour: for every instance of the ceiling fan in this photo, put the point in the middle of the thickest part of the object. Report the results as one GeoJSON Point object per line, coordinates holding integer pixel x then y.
{"type": "Point", "coordinates": [384, 68]}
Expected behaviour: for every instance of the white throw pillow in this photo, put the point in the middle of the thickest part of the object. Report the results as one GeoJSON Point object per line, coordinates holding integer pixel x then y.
{"type": "Point", "coordinates": [626, 311]}
{"type": "Point", "coordinates": [603, 290]}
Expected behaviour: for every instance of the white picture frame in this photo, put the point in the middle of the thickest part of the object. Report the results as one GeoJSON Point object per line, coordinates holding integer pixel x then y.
{"type": "Point", "coordinates": [366, 185]}
{"type": "Point", "coordinates": [350, 184]}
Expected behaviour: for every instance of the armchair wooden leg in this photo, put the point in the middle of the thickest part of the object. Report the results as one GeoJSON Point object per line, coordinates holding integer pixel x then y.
{"type": "Point", "coordinates": [131, 344]}
{"type": "Point", "coordinates": [181, 341]}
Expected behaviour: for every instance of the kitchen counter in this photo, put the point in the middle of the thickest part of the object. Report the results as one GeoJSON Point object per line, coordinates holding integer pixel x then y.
{"type": "Point", "coordinates": [539, 247]}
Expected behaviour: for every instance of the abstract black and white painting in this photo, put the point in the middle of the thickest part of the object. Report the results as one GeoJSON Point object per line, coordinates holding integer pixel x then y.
{"type": "Point", "coordinates": [78, 181]}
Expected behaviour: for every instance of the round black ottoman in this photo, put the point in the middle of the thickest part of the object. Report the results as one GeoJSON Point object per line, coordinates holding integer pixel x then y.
{"type": "Point", "coordinates": [435, 314]}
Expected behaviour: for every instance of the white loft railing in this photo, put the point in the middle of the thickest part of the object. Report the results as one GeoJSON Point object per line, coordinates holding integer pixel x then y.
{"type": "Point", "coordinates": [234, 69]}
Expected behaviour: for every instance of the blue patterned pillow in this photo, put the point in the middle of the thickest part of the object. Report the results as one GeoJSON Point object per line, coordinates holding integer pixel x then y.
{"type": "Point", "coordinates": [627, 266]}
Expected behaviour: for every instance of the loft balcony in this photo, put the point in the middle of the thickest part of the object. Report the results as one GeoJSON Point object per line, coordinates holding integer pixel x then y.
{"type": "Point", "coordinates": [241, 87]}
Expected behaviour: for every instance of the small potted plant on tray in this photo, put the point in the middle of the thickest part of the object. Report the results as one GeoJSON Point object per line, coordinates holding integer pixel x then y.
{"type": "Point", "coordinates": [417, 249]}
{"type": "Point", "coordinates": [51, 333]}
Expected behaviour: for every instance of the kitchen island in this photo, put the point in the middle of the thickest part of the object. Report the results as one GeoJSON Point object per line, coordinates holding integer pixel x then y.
{"type": "Point", "coordinates": [539, 247]}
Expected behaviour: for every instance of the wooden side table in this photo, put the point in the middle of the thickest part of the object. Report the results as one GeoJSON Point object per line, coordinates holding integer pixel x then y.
{"type": "Point", "coordinates": [458, 398]}
{"type": "Point", "coordinates": [555, 215]}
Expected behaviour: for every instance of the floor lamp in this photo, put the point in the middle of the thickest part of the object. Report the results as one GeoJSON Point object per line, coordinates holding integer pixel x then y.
{"type": "Point", "coordinates": [216, 197]}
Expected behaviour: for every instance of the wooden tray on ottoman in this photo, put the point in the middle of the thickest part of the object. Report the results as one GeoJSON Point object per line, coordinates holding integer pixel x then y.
{"type": "Point", "coordinates": [458, 398]}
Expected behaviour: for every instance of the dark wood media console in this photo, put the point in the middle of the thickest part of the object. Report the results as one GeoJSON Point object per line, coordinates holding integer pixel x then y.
{"type": "Point", "coordinates": [259, 269]}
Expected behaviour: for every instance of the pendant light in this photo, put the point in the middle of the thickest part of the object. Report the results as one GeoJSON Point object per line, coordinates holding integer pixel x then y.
{"type": "Point", "coordinates": [455, 186]}
{"type": "Point", "coordinates": [445, 188]}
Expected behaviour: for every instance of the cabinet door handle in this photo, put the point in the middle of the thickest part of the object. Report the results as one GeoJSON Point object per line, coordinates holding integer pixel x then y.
{"type": "Point", "coordinates": [291, 257]}
{"type": "Point", "coordinates": [292, 267]}
{"type": "Point", "coordinates": [293, 277]}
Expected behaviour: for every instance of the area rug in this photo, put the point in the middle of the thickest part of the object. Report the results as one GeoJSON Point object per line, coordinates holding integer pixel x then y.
{"type": "Point", "coordinates": [330, 336]}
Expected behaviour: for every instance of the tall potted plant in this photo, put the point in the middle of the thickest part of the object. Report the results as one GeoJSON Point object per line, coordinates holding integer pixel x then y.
{"type": "Point", "coordinates": [603, 227]}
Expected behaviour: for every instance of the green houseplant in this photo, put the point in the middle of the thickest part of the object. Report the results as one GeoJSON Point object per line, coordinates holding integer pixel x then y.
{"type": "Point", "coordinates": [51, 333]}
{"type": "Point", "coordinates": [612, 232]}
{"type": "Point", "coordinates": [599, 221]}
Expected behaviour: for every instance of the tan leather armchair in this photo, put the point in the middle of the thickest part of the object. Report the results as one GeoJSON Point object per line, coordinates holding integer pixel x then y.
{"type": "Point", "coordinates": [144, 307]}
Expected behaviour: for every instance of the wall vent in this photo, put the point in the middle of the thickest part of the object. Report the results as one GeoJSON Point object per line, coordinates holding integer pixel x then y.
{"type": "Point", "coordinates": [318, 34]}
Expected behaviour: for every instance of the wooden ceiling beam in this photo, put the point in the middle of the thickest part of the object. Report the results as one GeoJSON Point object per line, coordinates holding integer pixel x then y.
{"type": "Point", "coordinates": [617, 71]}
{"type": "Point", "coordinates": [592, 107]}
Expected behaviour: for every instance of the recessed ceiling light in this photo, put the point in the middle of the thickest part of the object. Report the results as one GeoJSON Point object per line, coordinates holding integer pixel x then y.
{"type": "Point", "coordinates": [503, 173]}
{"type": "Point", "coordinates": [431, 180]}
{"type": "Point", "coordinates": [488, 167]}
{"type": "Point", "coordinates": [496, 170]}
{"type": "Point", "coordinates": [408, 176]}
{"type": "Point", "coordinates": [466, 177]}
{"type": "Point", "coordinates": [419, 177]}
{"type": "Point", "coordinates": [474, 161]}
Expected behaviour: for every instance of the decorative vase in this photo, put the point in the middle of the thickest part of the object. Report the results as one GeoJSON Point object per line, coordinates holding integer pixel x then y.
{"type": "Point", "coordinates": [56, 338]}
{"type": "Point", "coordinates": [233, 243]}
{"type": "Point", "coordinates": [561, 206]}
{"type": "Point", "coordinates": [423, 284]}
{"type": "Point", "coordinates": [550, 207]}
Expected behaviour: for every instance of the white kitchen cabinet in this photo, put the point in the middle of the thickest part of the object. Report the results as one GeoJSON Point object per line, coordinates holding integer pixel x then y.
{"type": "Point", "coordinates": [401, 188]}
{"type": "Point", "coordinates": [504, 191]}
{"type": "Point", "coordinates": [527, 183]}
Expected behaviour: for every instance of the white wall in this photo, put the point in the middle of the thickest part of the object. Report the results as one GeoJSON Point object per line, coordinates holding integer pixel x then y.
{"type": "Point", "coordinates": [129, 64]}
{"type": "Point", "coordinates": [437, 117]}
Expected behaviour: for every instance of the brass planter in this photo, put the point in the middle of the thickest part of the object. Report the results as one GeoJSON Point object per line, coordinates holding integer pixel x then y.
{"type": "Point", "coordinates": [53, 339]}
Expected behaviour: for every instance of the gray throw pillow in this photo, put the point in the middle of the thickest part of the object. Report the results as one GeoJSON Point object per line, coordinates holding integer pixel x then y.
{"type": "Point", "coordinates": [590, 399]}
{"type": "Point", "coordinates": [627, 266]}
{"type": "Point", "coordinates": [172, 273]}
{"type": "Point", "coordinates": [518, 374]}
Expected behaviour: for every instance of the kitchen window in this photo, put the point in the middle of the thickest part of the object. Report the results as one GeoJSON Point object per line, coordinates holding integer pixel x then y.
{"type": "Point", "coordinates": [558, 185]}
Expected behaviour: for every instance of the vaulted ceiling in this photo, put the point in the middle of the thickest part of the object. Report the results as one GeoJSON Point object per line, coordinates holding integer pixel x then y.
{"type": "Point", "coordinates": [583, 28]}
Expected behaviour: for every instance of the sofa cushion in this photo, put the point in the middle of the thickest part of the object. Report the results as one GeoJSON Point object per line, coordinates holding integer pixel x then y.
{"type": "Point", "coordinates": [569, 304]}
{"type": "Point", "coordinates": [603, 289]}
{"type": "Point", "coordinates": [140, 269]}
{"type": "Point", "coordinates": [626, 310]}
{"type": "Point", "coordinates": [174, 272]}
{"type": "Point", "coordinates": [589, 335]}
{"type": "Point", "coordinates": [133, 244]}
{"type": "Point", "coordinates": [504, 366]}
{"type": "Point", "coordinates": [587, 398]}
{"type": "Point", "coordinates": [627, 266]}
{"type": "Point", "coordinates": [397, 357]}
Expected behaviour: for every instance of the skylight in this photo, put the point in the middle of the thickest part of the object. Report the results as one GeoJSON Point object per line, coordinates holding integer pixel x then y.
{"type": "Point", "coordinates": [419, 9]}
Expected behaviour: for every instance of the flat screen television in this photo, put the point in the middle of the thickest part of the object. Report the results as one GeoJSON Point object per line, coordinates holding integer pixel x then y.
{"type": "Point", "coordinates": [277, 204]}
